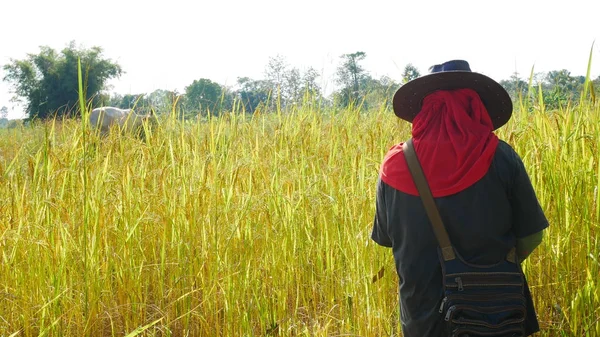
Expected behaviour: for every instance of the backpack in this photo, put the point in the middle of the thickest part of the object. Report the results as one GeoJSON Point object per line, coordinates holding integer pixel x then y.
{"type": "Point", "coordinates": [479, 300]}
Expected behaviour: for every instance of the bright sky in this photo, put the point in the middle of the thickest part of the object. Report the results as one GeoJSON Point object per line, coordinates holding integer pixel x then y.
{"type": "Point", "coordinates": [168, 44]}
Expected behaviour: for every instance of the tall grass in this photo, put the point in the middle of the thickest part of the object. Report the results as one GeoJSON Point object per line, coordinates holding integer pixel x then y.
{"type": "Point", "coordinates": [255, 226]}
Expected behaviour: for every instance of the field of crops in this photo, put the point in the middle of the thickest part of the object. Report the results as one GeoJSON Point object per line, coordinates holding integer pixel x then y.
{"type": "Point", "coordinates": [256, 226]}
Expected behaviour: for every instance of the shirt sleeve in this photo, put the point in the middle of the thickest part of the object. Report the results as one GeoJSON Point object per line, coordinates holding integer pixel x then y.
{"type": "Point", "coordinates": [528, 216]}
{"type": "Point", "coordinates": [380, 224]}
{"type": "Point", "coordinates": [526, 245]}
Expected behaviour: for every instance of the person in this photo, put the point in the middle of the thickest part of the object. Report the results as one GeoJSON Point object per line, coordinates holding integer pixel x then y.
{"type": "Point", "coordinates": [479, 183]}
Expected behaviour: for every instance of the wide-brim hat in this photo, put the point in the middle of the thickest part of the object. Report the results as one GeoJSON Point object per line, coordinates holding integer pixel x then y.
{"type": "Point", "coordinates": [453, 75]}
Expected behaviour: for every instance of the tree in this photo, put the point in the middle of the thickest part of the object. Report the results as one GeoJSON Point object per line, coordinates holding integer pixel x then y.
{"type": "Point", "coordinates": [515, 86]}
{"type": "Point", "coordinates": [204, 96]}
{"type": "Point", "coordinates": [560, 88]}
{"type": "Point", "coordinates": [289, 85]}
{"type": "Point", "coordinates": [276, 71]}
{"type": "Point", "coordinates": [310, 82]}
{"type": "Point", "coordinates": [410, 73]}
{"type": "Point", "coordinates": [298, 84]}
{"type": "Point", "coordinates": [253, 93]}
{"type": "Point", "coordinates": [292, 90]}
{"type": "Point", "coordinates": [351, 76]}
{"type": "Point", "coordinates": [595, 87]}
{"type": "Point", "coordinates": [164, 100]}
{"type": "Point", "coordinates": [48, 81]}
{"type": "Point", "coordinates": [159, 101]}
{"type": "Point", "coordinates": [128, 101]}
{"type": "Point", "coordinates": [302, 86]}
{"type": "Point", "coordinates": [277, 78]}
{"type": "Point", "coordinates": [4, 112]}
{"type": "Point", "coordinates": [379, 93]}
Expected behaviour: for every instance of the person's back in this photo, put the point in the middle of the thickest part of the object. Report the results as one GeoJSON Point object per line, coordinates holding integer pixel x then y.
{"type": "Point", "coordinates": [483, 222]}
{"type": "Point", "coordinates": [481, 190]}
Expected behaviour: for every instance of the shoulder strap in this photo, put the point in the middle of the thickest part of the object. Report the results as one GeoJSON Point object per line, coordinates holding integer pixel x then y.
{"type": "Point", "coordinates": [432, 212]}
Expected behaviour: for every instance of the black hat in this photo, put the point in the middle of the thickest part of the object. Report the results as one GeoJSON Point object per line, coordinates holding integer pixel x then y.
{"type": "Point", "coordinates": [453, 75]}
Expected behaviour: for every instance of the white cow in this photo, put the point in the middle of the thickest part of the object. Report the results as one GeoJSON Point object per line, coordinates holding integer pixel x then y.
{"type": "Point", "coordinates": [127, 120]}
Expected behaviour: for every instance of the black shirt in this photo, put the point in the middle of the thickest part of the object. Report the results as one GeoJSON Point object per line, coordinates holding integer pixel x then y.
{"type": "Point", "coordinates": [483, 222]}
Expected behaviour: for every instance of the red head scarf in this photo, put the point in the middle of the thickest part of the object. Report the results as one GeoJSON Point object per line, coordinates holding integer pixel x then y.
{"type": "Point", "coordinates": [453, 139]}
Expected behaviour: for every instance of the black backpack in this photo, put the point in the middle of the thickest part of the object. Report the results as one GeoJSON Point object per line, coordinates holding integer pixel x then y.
{"type": "Point", "coordinates": [479, 300]}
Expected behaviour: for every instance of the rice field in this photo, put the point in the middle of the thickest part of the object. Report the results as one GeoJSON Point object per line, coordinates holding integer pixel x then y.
{"type": "Point", "coordinates": [256, 225]}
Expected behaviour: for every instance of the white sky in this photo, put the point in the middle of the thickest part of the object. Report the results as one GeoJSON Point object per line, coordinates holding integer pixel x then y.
{"type": "Point", "coordinates": [168, 44]}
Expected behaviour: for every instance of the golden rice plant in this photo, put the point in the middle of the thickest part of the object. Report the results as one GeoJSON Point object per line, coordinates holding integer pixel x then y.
{"type": "Point", "coordinates": [256, 225]}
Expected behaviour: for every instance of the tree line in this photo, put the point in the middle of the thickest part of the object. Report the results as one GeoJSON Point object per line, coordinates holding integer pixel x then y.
{"type": "Point", "coordinates": [46, 83]}
{"type": "Point", "coordinates": [557, 87]}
